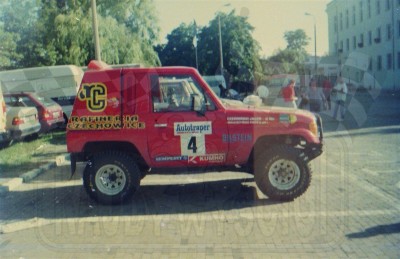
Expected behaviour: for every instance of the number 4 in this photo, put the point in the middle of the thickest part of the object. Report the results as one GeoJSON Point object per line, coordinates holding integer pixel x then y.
{"type": "Point", "coordinates": [192, 144]}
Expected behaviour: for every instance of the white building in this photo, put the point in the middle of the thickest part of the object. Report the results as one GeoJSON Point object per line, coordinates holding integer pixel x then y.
{"type": "Point", "coordinates": [364, 35]}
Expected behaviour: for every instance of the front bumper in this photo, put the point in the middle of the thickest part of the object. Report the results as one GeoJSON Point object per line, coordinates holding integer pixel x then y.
{"type": "Point", "coordinates": [316, 149]}
{"type": "Point", "coordinates": [312, 151]}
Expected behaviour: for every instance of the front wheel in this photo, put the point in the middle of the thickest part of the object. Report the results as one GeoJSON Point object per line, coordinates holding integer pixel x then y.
{"type": "Point", "coordinates": [282, 173]}
{"type": "Point", "coordinates": [111, 177]}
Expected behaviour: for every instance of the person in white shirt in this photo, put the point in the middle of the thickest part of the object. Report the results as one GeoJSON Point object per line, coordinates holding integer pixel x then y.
{"type": "Point", "coordinates": [263, 92]}
{"type": "Point", "coordinates": [340, 90]}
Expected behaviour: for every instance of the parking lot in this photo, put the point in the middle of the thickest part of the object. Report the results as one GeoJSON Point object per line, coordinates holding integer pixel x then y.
{"type": "Point", "coordinates": [350, 210]}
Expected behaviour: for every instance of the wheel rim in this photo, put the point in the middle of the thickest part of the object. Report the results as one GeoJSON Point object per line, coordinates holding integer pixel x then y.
{"type": "Point", "coordinates": [284, 174]}
{"type": "Point", "coordinates": [110, 179]}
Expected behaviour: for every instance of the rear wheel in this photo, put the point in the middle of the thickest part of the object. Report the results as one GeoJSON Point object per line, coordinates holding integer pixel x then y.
{"type": "Point", "coordinates": [282, 173]}
{"type": "Point", "coordinates": [111, 177]}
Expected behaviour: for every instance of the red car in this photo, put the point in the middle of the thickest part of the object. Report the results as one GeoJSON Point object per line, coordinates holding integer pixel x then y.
{"type": "Point", "coordinates": [127, 121]}
{"type": "Point", "coordinates": [50, 113]}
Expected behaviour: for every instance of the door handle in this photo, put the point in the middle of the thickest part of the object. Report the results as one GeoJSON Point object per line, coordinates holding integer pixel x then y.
{"type": "Point", "coordinates": [160, 125]}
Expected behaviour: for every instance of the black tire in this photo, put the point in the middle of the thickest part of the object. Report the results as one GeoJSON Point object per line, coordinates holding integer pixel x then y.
{"type": "Point", "coordinates": [282, 173]}
{"type": "Point", "coordinates": [5, 144]}
{"type": "Point", "coordinates": [111, 177]}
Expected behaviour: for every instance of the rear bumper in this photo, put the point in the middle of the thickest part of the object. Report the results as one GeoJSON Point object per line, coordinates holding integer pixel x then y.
{"type": "Point", "coordinates": [47, 126]}
{"type": "Point", "coordinates": [21, 133]}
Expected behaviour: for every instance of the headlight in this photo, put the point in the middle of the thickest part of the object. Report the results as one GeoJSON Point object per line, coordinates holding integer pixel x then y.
{"type": "Point", "coordinates": [313, 127]}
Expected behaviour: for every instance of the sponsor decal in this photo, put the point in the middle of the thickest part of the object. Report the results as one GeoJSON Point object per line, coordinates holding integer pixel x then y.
{"type": "Point", "coordinates": [95, 96]}
{"type": "Point", "coordinates": [171, 158]}
{"type": "Point", "coordinates": [113, 102]}
{"type": "Point", "coordinates": [209, 158]}
{"type": "Point", "coordinates": [203, 128]}
{"type": "Point", "coordinates": [246, 120]}
{"type": "Point", "coordinates": [233, 138]}
{"type": "Point", "coordinates": [288, 118]}
{"type": "Point", "coordinates": [105, 122]}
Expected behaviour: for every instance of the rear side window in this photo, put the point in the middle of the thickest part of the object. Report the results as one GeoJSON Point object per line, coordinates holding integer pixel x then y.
{"type": "Point", "coordinates": [175, 93]}
{"type": "Point", "coordinates": [27, 101]}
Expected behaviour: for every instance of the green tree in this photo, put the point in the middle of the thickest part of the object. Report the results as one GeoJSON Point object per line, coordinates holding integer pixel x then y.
{"type": "Point", "coordinates": [240, 50]}
{"type": "Point", "coordinates": [20, 17]}
{"type": "Point", "coordinates": [290, 60]}
{"type": "Point", "coordinates": [50, 32]}
{"type": "Point", "coordinates": [137, 15]}
{"type": "Point", "coordinates": [179, 50]}
{"type": "Point", "coordinates": [296, 40]}
{"type": "Point", "coordinates": [8, 49]}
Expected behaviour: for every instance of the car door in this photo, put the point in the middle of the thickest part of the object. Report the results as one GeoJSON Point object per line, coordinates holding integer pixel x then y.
{"type": "Point", "coordinates": [179, 135]}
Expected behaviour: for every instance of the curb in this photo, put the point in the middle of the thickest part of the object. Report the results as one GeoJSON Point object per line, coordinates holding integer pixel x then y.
{"type": "Point", "coordinates": [30, 175]}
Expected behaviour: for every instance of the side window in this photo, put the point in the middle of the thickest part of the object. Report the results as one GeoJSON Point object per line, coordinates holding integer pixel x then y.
{"type": "Point", "coordinates": [176, 93]}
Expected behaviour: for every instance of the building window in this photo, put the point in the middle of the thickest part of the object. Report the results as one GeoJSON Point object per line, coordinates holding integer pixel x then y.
{"type": "Point", "coordinates": [370, 38]}
{"type": "Point", "coordinates": [341, 45]}
{"type": "Point", "coordinates": [378, 35]}
{"type": "Point", "coordinates": [354, 16]}
{"type": "Point", "coordinates": [335, 24]}
{"type": "Point", "coordinates": [389, 31]}
{"type": "Point", "coordinates": [389, 61]}
{"type": "Point", "coordinates": [378, 6]}
{"type": "Point", "coordinates": [369, 8]}
{"type": "Point", "coordinates": [388, 5]}
{"type": "Point", "coordinates": [361, 12]}
{"type": "Point", "coordinates": [361, 42]}
{"type": "Point", "coordinates": [341, 21]}
{"type": "Point", "coordinates": [347, 44]}
{"type": "Point", "coordinates": [370, 64]}
{"type": "Point", "coordinates": [347, 19]}
{"type": "Point", "coordinates": [398, 28]}
{"type": "Point", "coordinates": [379, 63]}
{"type": "Point", "coordinates": [398, 60]}
{"type": "Point", "coordinates": [354, 42]}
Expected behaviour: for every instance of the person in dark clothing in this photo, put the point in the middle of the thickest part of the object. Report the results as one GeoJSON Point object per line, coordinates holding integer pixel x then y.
{"type": "Point", "coordinates": [327, 89]}
{"type": "Point", "coordinates": [222, 91]}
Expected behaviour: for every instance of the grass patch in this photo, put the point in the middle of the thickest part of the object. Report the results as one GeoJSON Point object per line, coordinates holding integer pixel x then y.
{"type": "Point", "coordinates": [24, 156]}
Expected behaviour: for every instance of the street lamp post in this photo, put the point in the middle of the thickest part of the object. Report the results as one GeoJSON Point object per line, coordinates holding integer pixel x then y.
{"type": "Point", "coordinates": [95, 31]}
{"type": "Point", "coordinates": [221, 57]}
{"type": "Point", "coordinates": [315, 42]}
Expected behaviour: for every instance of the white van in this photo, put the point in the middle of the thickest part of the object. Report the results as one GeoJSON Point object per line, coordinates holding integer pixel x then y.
{"type": "Point", "coordinates": [60, 83]}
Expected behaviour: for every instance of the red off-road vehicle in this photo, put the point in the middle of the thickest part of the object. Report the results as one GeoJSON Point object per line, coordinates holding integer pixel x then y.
{"type": "Point", "coordinates": [126, 121]}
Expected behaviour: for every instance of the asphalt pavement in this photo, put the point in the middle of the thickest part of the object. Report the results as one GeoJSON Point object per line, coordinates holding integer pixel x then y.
{"type": "Point", "coordinates": [350, 210]}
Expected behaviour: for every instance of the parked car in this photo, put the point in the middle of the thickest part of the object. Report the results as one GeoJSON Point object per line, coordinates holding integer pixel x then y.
{"type": "Point", "coordinates": [50, 113]}
{"type": "Point", "coordinates": [22, 122]}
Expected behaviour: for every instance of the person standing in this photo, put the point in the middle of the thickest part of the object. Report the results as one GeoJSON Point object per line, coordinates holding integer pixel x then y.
{"type": "Point", "coordinates": [288, 95]}
{"type": "Point", "coordinates": [340, 91]}
{"type": "Point", "coordinates": [262, 92]}
{"type": "Point", "coordinates": [316, 97]}
{"type": "Point", "coordinates": [222, 91]}
{"type": "Point", "coordinates": [327, 88]}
